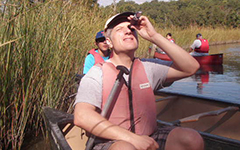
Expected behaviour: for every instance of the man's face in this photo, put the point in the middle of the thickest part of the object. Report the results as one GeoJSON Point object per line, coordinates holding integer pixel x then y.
{"type": "Point", "coordinates": [168, 37]}
{"type": "Point", "coordinates": [123, 38]}
{"type": "Point", "coordinates": [102, 44]}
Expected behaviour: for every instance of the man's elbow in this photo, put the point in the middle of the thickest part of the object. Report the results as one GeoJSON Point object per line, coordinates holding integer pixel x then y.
{"type": "Point", "coordinates": [194, 68]}
{"type": "Point", "coordinates": [82, 111]}
{"type": "Point", "coordinates": [77, 120]}
{"type": "Point", "coordinates": [78, 116]}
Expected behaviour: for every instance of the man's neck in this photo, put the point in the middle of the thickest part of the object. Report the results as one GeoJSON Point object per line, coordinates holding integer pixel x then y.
{"type": "Point", "coordinates": [122, 59]}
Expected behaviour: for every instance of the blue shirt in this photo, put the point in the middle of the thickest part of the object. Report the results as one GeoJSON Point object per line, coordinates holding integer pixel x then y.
{"type": "Point", "coordinates": [90, 61]}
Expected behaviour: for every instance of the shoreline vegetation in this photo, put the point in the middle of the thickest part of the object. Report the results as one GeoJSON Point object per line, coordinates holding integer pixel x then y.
{"type": "Point", "coordinates": [225, 42]}
{"type": "Point", "coordinates": [43, 46]}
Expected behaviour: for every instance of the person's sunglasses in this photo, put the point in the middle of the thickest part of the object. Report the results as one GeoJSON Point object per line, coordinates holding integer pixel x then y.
{"type": "Point", "coordinates": [100, 40]}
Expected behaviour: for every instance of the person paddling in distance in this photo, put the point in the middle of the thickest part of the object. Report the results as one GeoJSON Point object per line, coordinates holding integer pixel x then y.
{"type": "Point", "coordinates": [132, 122]}
{"type": "Point", "coordinates": [169, 37]}
{"type": "Point", "coordinates": [200, 46]}
{"type": "Point", "coordinates": [100, 54]}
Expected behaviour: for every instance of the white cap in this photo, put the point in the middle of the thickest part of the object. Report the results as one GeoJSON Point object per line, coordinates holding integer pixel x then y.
{"type": "Point", "coordinates": [116, 19]}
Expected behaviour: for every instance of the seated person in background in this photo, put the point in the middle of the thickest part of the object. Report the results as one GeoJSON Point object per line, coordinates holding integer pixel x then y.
{"type": "Point", "coordinates": [132, 123]}
{"type": "Point", "coordinates": [200, 46]}
{"type": "Point", "coordinates": [98, 55]}
{"type": "Point", "coordinates": [169, 37]}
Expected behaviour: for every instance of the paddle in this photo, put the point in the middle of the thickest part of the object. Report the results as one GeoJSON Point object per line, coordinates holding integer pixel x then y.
{"type": "Point", "coordinates": [210, 113]}
{"type": "Point", "coordinates": [110, 101]}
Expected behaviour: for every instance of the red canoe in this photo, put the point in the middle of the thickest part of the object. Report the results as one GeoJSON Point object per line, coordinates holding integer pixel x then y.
{"type": "Point", "coordinates": [214, 59]}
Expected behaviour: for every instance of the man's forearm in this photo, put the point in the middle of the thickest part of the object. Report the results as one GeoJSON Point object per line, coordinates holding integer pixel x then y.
{"type": "Point", "coordinates": [97, 125]}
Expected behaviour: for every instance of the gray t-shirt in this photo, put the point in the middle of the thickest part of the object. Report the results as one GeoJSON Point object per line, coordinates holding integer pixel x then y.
{"type": "Point", "coordinates": [90, 88]}
{"type": "Point", "coordinates": [196, 44]}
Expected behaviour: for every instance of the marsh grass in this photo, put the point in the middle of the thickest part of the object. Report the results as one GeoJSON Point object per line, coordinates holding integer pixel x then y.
{"type": "Point", "coordinates": [43, 46]}
{"type": "Point", "coordinates": [185, 37]}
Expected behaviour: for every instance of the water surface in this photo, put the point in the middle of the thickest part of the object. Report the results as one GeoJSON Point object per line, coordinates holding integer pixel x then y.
{"type": "Point", "coordinates": [221, 81]}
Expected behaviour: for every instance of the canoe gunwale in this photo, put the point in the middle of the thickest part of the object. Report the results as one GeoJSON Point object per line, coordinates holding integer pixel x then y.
{"type": "Point", "coordinates": [220, 139]}
{"type": "Point", "coordinates": [53, 120]}
{"type": "Point", "coordinates": [233, 103]}
{"type": "Point", "coordinates": [210, 138]}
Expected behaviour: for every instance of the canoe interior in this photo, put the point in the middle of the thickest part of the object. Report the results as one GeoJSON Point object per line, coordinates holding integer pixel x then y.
{"type": "Point", "coordinates": [177, 107]}
{"type": "Point", "coordinates": [219, 132]}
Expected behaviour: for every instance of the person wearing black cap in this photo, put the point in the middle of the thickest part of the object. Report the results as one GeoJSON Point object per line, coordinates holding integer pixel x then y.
{"type": "Point", "coordinates": [132, 125]}
{"type": "Point", "coordinates": [100, 54]}
{"type": "Point", "coordinates": [200, 46]}
{"type": "Point", "coordinates": [169, 37]}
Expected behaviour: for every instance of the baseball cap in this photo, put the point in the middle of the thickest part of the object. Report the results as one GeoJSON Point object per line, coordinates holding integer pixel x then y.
{"type": "Point", "coordinates": [99, 35]}
{"type": "Point", "coordinates": [198, 35]}
{"type": "Point", "coordinates": [116, 19]}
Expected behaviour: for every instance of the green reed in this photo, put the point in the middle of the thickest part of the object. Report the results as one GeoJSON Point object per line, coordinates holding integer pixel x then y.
{"type": "Point", "coordinates": [42, 47]}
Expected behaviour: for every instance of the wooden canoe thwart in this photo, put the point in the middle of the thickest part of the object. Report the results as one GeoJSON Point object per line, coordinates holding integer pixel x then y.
{"type": "Point", "coordinates": [214, 59]}
{"type": "Point", "coordinates": [216, 120]}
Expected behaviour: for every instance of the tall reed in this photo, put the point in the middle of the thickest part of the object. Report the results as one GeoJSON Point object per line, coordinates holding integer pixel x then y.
{"type": "Point", "coordinates": [43, 46]}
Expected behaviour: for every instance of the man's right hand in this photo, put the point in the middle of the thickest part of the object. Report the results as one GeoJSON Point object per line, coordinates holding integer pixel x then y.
{"type": "Point", "coordinates": [143, 142]}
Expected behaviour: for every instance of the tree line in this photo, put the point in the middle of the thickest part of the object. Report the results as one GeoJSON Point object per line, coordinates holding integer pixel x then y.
{"type": "Point", "coordinates": [178, 13]}
{"type": "Point", "coordinates": [185, 13]}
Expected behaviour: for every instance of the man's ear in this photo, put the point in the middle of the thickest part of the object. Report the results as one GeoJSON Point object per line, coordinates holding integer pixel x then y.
{"type": "Point", "coordinates": [109, 42]}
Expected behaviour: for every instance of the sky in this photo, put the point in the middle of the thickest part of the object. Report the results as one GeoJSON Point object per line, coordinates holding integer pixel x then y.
{"type": "Point", "coordinates": [109, 2]}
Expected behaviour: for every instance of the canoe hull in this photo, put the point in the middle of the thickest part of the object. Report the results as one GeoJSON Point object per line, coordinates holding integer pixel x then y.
{"type": "Point", "coordinates": [214, 59]}
{"type": "Point", "coordinates": [219, 132]}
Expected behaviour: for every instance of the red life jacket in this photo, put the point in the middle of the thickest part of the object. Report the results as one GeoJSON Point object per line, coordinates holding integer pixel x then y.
{"type": "Point", "coordinates": [143, 111]}
{"type": "Point", "coordinates": [98, 58]}
{"type": "Point", "coordinates": [172, 40]}
{"type": "Point", "coordinates": [204, 48]}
